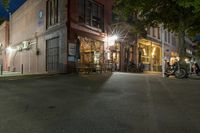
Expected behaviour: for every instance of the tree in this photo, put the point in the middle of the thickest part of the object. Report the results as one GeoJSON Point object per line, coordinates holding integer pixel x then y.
{"type": "Point", "coordinates": [5, 5]}
{"type": "Point", "coordinates": [180, 16]}
{"type": "Point", "coordinates": [127, 11]}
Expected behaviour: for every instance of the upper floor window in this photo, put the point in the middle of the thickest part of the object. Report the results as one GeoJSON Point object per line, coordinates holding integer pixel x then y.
{"type": "Point", "coordinates": [52, 12]}
{"type": "Point", "coordinates": [166, 36]}
{"type": "Point", "coordinates": [154, 32]}
{"type": "Point", "coordinates": [174, 41]}
{"type": "Point", "coordinates": [148, 31]}
{"type": "Point", "coordinates": [158, 32]}
{"type": "Point", "coordinates": [169, 37]}
{"type": "Point", "coordinates": [91, 13]}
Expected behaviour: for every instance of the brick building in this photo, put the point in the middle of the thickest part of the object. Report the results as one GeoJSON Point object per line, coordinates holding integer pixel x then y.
{"type": "Point", "coordinates": [88, 26]}
{"type": "Point", "coordinates": [49, 36]}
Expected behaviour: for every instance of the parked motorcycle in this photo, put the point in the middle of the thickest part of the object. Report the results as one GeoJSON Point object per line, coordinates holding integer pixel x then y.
{"type": "Point", "coordinates": [175, 70]}
{"type": "Point", "coordinates": [132, 67]}
{"type": "Point", "coordinates": [195, 69]}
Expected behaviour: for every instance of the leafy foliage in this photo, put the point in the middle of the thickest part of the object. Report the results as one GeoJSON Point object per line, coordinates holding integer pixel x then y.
{"type": "Point", "coordinates": [176, 15]}
{"type": "Point", "coordinates": [5, 4]}
{"type": "Point", "coordinates": [180, 16]}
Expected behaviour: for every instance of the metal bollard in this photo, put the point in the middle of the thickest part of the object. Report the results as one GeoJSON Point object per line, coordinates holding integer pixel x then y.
{"type": "Point", "coordinates": [1, 69]}
{"type": "Point", "coordinates": [22, 69]}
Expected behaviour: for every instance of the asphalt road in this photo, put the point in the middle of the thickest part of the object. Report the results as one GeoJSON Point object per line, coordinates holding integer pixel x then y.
{"type": "Point", "coordinates": [111, 103]}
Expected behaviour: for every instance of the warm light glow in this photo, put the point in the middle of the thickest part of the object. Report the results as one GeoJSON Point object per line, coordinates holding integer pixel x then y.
{"type": "Point", "coordinates": [187, 60]}
{"type": "Point", "coordinates": [108, 56]}
{"type": "Point", "coordinates": [111, 40]}
{"type": "Point", "coordinates": [115, 37]}
{"type": "Point", "coordinates": [144, 51]}
{"type": "Point", "coordinates": [9, 49]}
{"type": "Point", "coordinates": [178, 58]}
{"type": "Point", "coordinates": [153, 52]}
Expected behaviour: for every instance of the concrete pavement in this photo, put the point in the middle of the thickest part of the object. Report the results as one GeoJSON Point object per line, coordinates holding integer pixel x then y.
{"type": "Point", "coordinates": [107, 103]}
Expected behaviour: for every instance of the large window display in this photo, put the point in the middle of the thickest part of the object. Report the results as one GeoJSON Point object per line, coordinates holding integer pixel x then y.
{"type": "Point", "coordinates": [91, 51]}
{"type": "Point", "coordinates": [151, 55]}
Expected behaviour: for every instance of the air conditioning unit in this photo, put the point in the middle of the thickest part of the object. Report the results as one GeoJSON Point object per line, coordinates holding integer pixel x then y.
{"type": "Point", "coordinates": [26, 45]}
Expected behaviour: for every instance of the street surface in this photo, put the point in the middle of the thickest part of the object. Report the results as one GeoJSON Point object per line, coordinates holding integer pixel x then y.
{"type": "Point", "coordinates": [108, 103]}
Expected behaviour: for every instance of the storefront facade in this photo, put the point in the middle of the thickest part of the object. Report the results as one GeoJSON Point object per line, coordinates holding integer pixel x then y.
{"type": "Point", "coordinates": [150, 55]}
{"type": "Point", "coordinates": [91, 51]}
{"type": "Point", "coordinates": [88, 29]}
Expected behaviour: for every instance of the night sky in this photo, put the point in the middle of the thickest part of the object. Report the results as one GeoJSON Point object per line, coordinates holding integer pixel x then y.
{"type": "Point", "coordinates": [14, 4]}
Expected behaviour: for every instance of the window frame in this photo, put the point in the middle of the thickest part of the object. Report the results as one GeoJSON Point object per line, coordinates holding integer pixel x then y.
{"type": "Point", "coordinates": [89, 17]}
{"type": "Point", "coordinates": [52, 13]}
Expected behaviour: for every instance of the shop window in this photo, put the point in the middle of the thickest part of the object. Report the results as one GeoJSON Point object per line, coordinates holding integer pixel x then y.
{"type": "Point", "coordinates": [145, 53]}
{"type": "Point", "coordinates": [91, 13]}
{"type": "Point", "coordinates": [150, 54]}
{"type": "Point", "coordinates": [91, 51]}
{"type": "Point", "coordinates": [52, 12]}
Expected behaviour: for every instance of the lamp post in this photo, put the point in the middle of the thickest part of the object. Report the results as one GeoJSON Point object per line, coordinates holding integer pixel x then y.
{"type": "Point", "coordinates": [163, 51]}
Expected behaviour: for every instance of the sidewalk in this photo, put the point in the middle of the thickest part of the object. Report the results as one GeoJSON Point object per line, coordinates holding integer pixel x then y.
{"type": "Point", "coordinates": [9, 74]}
{"type": "Point", "coordinates": [17, 75]}
{"type": "Point", "coordinates": [194, 76]}
{"type": "Point", "coordinates": [153, 72]}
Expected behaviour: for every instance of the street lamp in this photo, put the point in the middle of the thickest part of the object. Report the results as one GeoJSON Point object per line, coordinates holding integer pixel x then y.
{"type": "Point", "coordinates": [9, 49]}
{"type": "Point", "coordinates": [111, 40]}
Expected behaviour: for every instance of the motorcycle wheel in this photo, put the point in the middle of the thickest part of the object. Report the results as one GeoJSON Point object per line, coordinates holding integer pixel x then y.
{"type": "Point", "coordinates": [198, 73]}
{"type": "Point", "coordinates": [166, 75]}
{"type": "Point", "coordinates": [180, 74]}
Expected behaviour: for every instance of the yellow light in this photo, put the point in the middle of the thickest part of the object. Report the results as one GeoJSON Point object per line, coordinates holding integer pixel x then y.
{"type": "Point", "coordinates": [144, 51]}
{"type": "Point", "coordinates": [178, 58]}
{"type": "Point", "coordinates": [153, 52]}
{"type": "Point", "coordinates": [187, 60]}
{"type": "Point", "coordinates": [108, 56]}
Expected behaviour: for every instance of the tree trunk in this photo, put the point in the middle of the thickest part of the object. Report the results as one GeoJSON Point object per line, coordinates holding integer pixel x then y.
{"type": "Point", "coordinates": [182, 45]}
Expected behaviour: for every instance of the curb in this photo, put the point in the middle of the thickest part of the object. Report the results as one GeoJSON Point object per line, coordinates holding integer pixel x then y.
{"type": "Point", "coordinates": [27, 76]}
